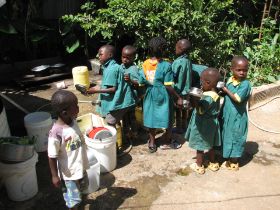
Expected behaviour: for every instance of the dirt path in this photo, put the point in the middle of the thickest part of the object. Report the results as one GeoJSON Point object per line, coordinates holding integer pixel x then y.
{"type": "Point", "coordinates": [153, 181]}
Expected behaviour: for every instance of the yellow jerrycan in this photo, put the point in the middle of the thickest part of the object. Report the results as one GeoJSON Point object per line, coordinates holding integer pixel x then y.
{"type": "Point", "coordinates": [119, 135]}
{"type": "Point", "coordinates": [81, 76]}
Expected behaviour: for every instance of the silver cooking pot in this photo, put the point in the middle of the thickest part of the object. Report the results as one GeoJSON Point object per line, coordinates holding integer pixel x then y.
{"type": "Point", "coordinates": [15, 152]}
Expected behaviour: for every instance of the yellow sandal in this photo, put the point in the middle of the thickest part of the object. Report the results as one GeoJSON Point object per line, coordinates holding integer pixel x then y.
{"type": "Point", "coordinates": [234, 166]}
{"type": "Point", "coordinates": [213, 166]}
{"type": "Point", "coordinates": [230, 166]}
{"type": "Point", "coordinates": [197, 169]}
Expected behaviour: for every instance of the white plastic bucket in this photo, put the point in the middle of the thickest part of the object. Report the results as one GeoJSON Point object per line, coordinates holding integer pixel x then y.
{"type": "Point", "coordinates": [20, 179]}
{"type": "Point", "coordinates": [38, 124]}
{"type": "Point", "coordinates": [105, 151]}
{"type": "Point", "coordinates": [4, 128]}
{"type": "Point", "coordinates": [93, 176]}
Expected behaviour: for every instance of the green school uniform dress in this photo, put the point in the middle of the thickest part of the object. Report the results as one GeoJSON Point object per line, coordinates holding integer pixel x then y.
{"type": "Point", "coordinates": [156, 106]}
{"type": "Point", "coordinates": [134, 75]}
{"type": "Point", "coordinates": [113, 76]}
{"type": "Point", "coordinates": [235, 119]}
{"type": "Point", "coordinates": [204, 131]}
{"type": "Point", "coordinates": [196, 72]}
{"type": "Point", "coordinates": [182, 73]}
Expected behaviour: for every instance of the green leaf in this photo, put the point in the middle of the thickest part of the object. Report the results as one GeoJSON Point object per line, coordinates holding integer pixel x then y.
{"type": "Point", "coordinates": [7, 28]}
{"type": "Point", "coordinates": [271, 78]}
{"type": "Point", "coordinates": [38, 36]}
{"type": "Point", "coordinates": [71, 42]}
{"type": "Point", "coordinates": [73, 47]}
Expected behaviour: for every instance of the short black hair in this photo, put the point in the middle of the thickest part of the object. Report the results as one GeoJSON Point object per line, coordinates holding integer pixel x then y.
{"type": "Point", "coordinates": [212, 74]}
{"type": "Point", "coordinates": [235, 59]}
{"type": "Point", "coordinates": [109, 48]}
{"type": "Point", "coordinates": [131, 49]}
{"type": "Point", "coordinates": [62, 100]}
{"type": "Point", "coordinates": [185, 45]}
{"type": "Point", "coordinates": [156, 46]}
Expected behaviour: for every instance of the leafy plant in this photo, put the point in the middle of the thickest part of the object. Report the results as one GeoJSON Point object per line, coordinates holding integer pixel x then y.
{"type": "Point", "coordinates": [215, 28]}
{"type": "Point", "coordinates": [210, 25]}
{"type": "Point", "coordinates": [264, 55]}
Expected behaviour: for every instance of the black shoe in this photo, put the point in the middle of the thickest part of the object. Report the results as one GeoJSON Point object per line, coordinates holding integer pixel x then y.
{"type": "Point", "coordinates": [81, 88]}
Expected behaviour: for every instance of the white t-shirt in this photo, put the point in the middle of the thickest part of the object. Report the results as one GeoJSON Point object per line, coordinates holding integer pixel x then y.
{"type": "Point", "coordinates": [67, 144]}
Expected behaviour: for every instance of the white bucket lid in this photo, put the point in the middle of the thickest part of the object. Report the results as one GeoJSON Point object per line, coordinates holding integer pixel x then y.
{"type": "Point", "coordinates": [37, 118]}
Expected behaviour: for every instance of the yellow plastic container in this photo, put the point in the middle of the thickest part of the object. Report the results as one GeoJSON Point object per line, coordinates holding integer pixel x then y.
{"type": "Point", "coordinates": [81, 76]}
{"type": "Point", "coordinates": [139, 115]}
{"type": "Point", "coordinates": [119, 136]}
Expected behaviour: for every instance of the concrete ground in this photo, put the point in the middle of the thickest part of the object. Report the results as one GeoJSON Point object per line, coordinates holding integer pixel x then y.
{"type": "Point", "coordinates": [162, 180]}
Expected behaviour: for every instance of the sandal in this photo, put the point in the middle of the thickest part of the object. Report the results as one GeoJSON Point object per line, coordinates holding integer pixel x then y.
{"type": "Point", "coordinates": [198, 169]}
{"type": "Point", "coordinates": [152, 148]}
{"type": "Point", "coordinates": [174, 145]}
{"type": "Point", "coordinates": [213, 166]}
{"type": "Point", "coordinates": [234, 166]}
{"type": "Point", "coordinates": [230, 166]}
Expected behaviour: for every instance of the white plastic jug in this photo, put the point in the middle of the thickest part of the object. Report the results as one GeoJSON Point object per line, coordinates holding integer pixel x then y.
{"type": "Point", "coordinates": [20, 179]}
{"type": "Point", "coordinates": [38, 124]}
{"type": "Point", "coordinates": [104, 150]}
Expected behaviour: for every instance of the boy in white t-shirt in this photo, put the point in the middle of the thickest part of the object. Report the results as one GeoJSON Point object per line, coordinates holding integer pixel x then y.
{"type": "Point", "coordinates": [67, 150]}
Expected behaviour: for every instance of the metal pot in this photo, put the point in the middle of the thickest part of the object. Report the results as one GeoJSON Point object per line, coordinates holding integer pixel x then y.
{"type": "Point", "coordinates": [16, 152]}
{"type": "Point", "coordinates": [57, 68]}
{"type": "Point", "coordinates": [41, 71]}
{"type": "Point", "coordinates": [196, 92]}
{"type": "Point", "coordinates": [220, 84]}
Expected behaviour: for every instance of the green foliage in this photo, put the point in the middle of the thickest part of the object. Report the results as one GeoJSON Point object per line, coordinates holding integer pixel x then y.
{"type": "Point", "coordinates": [70, 40]}
{"type": "Point", "coordinates": [213, 26]}
{"type": "Point", "coordinates": [174, 19]}
{"type": "Point", "coordinates": [264, 55]}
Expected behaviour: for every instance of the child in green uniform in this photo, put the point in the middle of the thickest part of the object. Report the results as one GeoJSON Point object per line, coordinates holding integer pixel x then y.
{"type": "Point", "coordinates": [115, 94]}
{"type": "Point", "coordinates": [181, 68]}
{"type": "Point", "coordinates": [203, 132]}
{"type": "Point", "coordinates": [157, 106]}
{"type": "Point", "coordinates": [235, 119]}
{"type": "Point", "coordinates": [131, 75]}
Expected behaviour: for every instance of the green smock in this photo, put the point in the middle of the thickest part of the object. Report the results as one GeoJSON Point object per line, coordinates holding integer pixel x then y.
{"type": "Point", "coordinates": [133, 72]}
{"type": "Point", "coordinates": [235, 119]}
{"type": "Point", "coordinates": [204, 131]}
{"type": "Point", "coordinates": [182, 73]}
{"type": "Point", "coordinates": [113, 76]}
{"type": "Point", "coordinates": [157, 104]}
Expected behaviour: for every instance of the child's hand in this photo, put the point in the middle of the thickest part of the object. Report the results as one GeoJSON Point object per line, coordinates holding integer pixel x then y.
{"type": "Point", "coordinates": [180, 102]}
{"type": "Point", "coordinates": [94, 89]}
{"type": "Point", "coordinates": [225, 89]}
{"type": "Point", "coordinates": [56, 181]}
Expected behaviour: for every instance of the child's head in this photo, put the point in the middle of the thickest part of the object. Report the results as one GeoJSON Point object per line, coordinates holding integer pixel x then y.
{"type": "Point", "coordinates": [65, 105]}
{"type": "Point", "coordinates": [239, 67]}
{"type": "Point", "coordinates": [128, 55]}
{"type": "Point", "coordinates": [182, 46]}
{"type": "Point", "coordinates": [209, 79]}
{"type": "Point", "coordinates": [106, 52]}
{"type": "Point", "coordinates": [157, 46]}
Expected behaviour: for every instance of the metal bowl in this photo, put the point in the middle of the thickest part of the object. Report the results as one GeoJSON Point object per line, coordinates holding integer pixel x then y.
{"type": "Point", "coordinates": [41, 71]}
{"type": "Point", "coordinates": [15, 152]}
{"type": "Point", "coordinates": [57, 68]}
{"type": "Point", "coordinates": [196, 92]}
{"type": "Point", "coordinates": [220, 84]}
